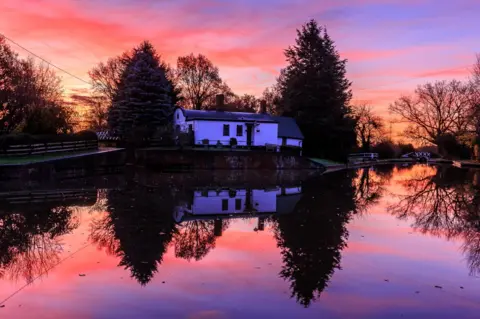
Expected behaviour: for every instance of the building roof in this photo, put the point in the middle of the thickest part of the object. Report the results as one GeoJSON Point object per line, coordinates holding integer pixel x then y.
{"type": "Point", "coordinates": [226, 116]}
{"type": "Point", "coordinates": [287, 127]}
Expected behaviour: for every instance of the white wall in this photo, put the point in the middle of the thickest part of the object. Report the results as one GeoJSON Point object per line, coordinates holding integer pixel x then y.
{"type": "Point", "coordinates": [213, 131]}
{"type": "Point", "coordinates": [262, 133]}
{"type": "Point", "coordinates": [179, 119]}
{"type": "Point", "coordinates": [290, 142]}
{"type": "Point", "coordinates": [265, 133]}
{"type": "Point", "coordinates": [264, 201]}
{"type": "Point", "coordinates": [213, 203]}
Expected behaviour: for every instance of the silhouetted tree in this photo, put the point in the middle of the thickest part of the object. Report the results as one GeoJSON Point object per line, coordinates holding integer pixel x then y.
{"type": "Point", "coordinates": [369, 126]}
{"type": "Point", "coordinates": [312, 237]}
{"type": "Point", "coordinates": [31, 96]}
{"type": "Point", "coordinates": [138, 228]}
{"type": "Point", "coordinates": [199, 81]}
{"type": "Point", "coordinates": [436, 110]}
{"type": "Point", "coordinates": [143, 101]}
{"type": "Point", "coordinates": [315, 91]}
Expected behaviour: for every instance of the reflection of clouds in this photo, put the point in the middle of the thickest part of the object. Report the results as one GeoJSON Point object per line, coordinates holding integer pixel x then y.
{"type": "Point", "coordinates": [445, 203]}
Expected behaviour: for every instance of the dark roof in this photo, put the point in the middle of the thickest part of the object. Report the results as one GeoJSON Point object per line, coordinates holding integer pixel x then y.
{"type": "Point", "coordinates": [226, 116]}
{"type": "Point", "coordinates": [287, 127]}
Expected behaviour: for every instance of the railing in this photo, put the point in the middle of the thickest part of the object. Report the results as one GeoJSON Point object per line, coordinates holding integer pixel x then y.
{"type": "Point", "coordinates": [49, 148]}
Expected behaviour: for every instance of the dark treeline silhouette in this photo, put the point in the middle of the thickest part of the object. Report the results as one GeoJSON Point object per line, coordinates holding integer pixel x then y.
{"type": "Point", "coordinates": [29, 239]}
{"type": "Point", "coordinates": [445, 202]}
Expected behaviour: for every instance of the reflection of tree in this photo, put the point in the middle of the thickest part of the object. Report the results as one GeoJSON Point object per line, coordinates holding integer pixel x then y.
{"type": "Point", "coordinates": [312, 237]}
{"type": "Point", "coordinates": [370, 185]}
{"type": "Point", "coordinates": [137, 228]}
{"type": "Point", "coordinates": [29, 239]}
{"type": "Point", "coordinates": [196, 238]}
{"type": "Point", "coordinates": [445, 203]}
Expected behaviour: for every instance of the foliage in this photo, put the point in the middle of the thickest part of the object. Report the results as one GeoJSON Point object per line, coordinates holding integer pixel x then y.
{"type": "Point", "coordinates": [233, 141]}
{"type": "Point", "coordinates": [199, 81]}
{"type": "Point", "coordinates": [437, 109]}
{"type": "Point", "coordinates": [205, 141]}
{"type": "Point", "coordinates": [405, 148]}
{"type": "Point", "coordinates": [450, 147]}
{"type": "Point", "coordinates": [385, 149]}
{"type": "Point", "coordinates": [369, 126]}
{"type": "Point", "coordinates": [315, 91]}
{"type": "Point", "coordinates": [31, 96]}
{"type": "Point", "coordinates": [108, 82]}
{"type": "Point", "coordinates": [142, 102]}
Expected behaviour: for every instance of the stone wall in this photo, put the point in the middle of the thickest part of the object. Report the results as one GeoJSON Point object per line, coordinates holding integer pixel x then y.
{"type": "Point", "coordinates": [218, 160]}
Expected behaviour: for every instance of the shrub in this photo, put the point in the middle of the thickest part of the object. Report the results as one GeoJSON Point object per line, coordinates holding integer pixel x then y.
{"type": "Point", "coordinates": [205, 141]}
{"type": "Point", "coordinates": [219, 144]}
{"type": "Point", "coordinates": [384, 149]}
{"type": "Point", "coordinates": [233, 141]}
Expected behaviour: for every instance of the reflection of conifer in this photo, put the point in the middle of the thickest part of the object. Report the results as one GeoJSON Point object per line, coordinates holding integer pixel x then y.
{"type": "Point", "coordinates": [29, 239]}
{"type": "Point", "coordinates": [143, 226]}
{"type": "Point", "coordinates": [312, 237]}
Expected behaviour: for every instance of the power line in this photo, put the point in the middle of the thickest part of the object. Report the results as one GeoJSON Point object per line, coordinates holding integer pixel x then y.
{"type": "Point", "coordinates": [39, 57]}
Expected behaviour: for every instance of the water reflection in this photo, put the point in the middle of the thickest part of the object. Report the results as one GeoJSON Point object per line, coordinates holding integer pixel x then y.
{"type": "Point", "coordinates": [31, 225]}
{"type": "Point", "coordinates": [444, 202]}
{"type": "Point", "coordinates": [312, 238]}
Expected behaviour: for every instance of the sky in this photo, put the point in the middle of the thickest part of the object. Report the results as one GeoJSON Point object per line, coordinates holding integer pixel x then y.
{"type": "Point", "coordinates": [391, 45]}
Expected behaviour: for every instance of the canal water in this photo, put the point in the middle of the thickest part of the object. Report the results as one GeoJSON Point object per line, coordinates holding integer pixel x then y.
{"type": "Point", "coordinates": [383, 242]}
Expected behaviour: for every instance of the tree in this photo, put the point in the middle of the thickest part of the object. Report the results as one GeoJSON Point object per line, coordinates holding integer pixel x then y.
{"type": "Point", "coordinates": [315, 91]}
{"type": "Point", "coordinates": [31, 96]}
{"type": "Point", "coordinates": [369, 126]}
{"type": "Point", "coordinates": [436, 110]}
{"type": "Point", "coordinates": [107, 80]}
{"type": "Point", "coordinates": [199, 81]}
{"type": "Point", "coordinates": [405, 148]}
{"type": "Point", "coordinates": [96, 114]}
{"type": "Point", "coordinates": [272, 97]}
{"type": "Point", "coordinates": [142, 102]}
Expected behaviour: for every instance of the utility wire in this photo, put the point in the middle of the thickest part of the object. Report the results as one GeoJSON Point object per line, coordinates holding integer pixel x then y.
{"type": "Point", "coordinates": [39, 57]}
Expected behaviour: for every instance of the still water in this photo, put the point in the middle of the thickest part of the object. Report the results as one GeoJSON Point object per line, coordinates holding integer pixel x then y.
{"type": "Point", "coordinates": [384, 242]}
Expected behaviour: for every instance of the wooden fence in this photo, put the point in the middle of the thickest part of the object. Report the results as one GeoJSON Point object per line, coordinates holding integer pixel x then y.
{"type": "Point", "coordinates": [49, 148]}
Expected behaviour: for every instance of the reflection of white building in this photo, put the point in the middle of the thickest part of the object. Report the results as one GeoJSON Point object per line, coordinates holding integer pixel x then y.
{"type": "Point", "coordinates": [209, 203]}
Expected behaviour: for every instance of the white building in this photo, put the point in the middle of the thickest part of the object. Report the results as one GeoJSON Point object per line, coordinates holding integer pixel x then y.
{"type": "Point", "coordinates": [249, 129]}
{"type": "Point", "coordinates": [211, 203]}
{"type": "Point", "coordinates": [211, 127]}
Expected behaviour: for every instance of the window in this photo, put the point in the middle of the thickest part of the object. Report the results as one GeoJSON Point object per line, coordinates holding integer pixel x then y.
{"type": "Point", "coordinates": [224, 204]}
{"type": "Point", "coordinates": [239, 130]}
{"type": "Point", "coordinates": [284, 141]}
{"type": "Point", "coordinates": [238, 204]}
{"type": "Point", "coordinates": [226, 130]}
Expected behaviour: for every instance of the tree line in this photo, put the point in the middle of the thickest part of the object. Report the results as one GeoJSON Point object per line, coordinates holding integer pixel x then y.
{"type": "Point", "coordinates": [135, 93]}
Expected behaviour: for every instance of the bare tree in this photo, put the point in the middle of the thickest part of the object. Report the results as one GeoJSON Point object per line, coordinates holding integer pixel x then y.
{"type": "Point", "coordinates": [199, 80]}
{"type": "Point", "coordinates": [435, 110]}
{"type": "Point", "coordinates": [369, 126]}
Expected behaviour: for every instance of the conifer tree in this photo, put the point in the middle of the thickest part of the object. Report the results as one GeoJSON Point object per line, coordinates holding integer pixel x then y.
{"type": "Point", "coordinates": [143, 101]}
{"type": "Point", "coordinates": [315, 91]}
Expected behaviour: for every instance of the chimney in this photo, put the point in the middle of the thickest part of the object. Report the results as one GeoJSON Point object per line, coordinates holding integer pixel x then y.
{"type": "Point", "coordinates": [263, 107]}
{"type": "Point", "coordinates": [219, 102]}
